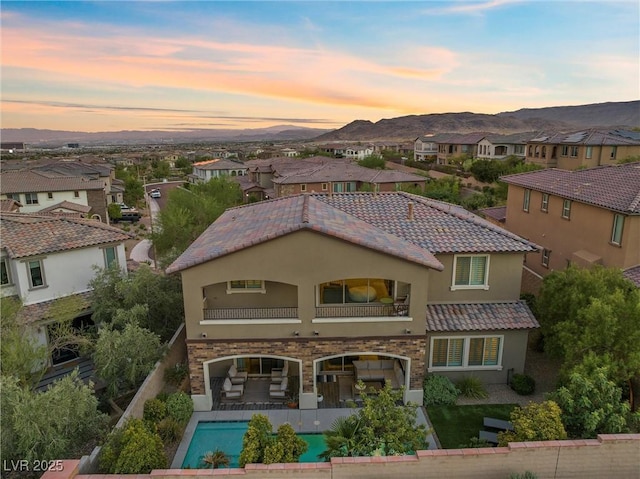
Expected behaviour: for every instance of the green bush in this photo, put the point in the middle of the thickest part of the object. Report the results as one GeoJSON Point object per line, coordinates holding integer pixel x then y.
{"type": "Point", "coordinates": [163, 396]}
{"type": "Point", "coordinates": [154, 410]}
{"type": "Point", "coordinates": [439, 390]}
{"type": "Point", "coordinates": [169, 430]}
{"type": "Point", "coordinates": [472, 387]}
{"type": "Point", "coordinates": [180, 407]}
{"type": "Point", "coordinates": [524, 475]}
{"type": "Point", "coordinates": [174, 375]}
{"type": "Point", "coordinates": [522, 384]}
{"type": "Point", "coordinates": [132, 450]}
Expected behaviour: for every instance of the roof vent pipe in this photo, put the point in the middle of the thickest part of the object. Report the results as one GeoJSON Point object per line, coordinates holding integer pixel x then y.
{"type": "Point", "coordinates": [410, 211]}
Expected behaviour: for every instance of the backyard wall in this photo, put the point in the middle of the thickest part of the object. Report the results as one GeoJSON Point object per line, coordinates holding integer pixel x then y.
{"type": "Point", "coordinates": [612, 455]}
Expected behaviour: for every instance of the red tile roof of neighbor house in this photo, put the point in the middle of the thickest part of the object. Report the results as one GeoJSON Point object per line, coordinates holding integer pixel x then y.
{"type": "Point", "coordinates": [43, 310]}
{"type": "Point", "coordinates": [376, 221]}
{"type": "Point", "coordinates": [615, 187]}
{"type": "Point", "coordinates": [41, 181]}
{"type": "Point", "coordinates": [633, 274]}
{"type": "Point", "coordinates": [220, 164]}
{"type": "Point", "coordinates": [29, 235]}
{"type": "Point", "coordinates": [67, 205]}
{"type": "Point", "coordinates": [332, 171]}
{"type": "Point", "coordinates": [480, 316]}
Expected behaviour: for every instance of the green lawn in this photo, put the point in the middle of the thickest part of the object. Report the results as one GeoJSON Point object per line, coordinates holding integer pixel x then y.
{"type": "Point", "coordinates": [456, 425]}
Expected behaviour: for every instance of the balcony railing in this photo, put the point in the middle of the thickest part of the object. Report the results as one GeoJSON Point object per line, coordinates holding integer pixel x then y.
{"type": "Point", "coordinates": [250, 313]}
{"type": "Point", "coordinates": [356, 311]}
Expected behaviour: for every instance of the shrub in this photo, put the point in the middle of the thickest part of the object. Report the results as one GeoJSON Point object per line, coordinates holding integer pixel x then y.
{"type": "Point", "coordinates": [534, 422]}
{"type": "Point", "coordinates": [154, 410]}
{"type": "Point", "coordinates": [215, 459]}
{"type": "Point", "coordinates": [169, 430]}
{"type": "Point", "coordinates": [524, 475]}
{"type": "Point", "coordinates": [174, 375]}
{"type": "Point", "coordinates": [163, 396]}
{"type": "Point", "coordinates": [475, 442]}
{"type": "Point", "coordinates": [439, 390]}
{"type": "Point", "coordinates": [133, 449]}
{"type": "Point", "coordinates": [472, 387]}
{"type": "Point", "coordinates": [180, 407]}
{"type": "Point", "coordinates": [522, 384]}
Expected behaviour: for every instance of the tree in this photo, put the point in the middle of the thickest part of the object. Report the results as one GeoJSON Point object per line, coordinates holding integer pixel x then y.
{"type": "Point", "coordinates": [53, 424]}
{"type": "Point", "coordinates": [189, 212]}
{"type": "Point", "coordinates": [124, 358]}
{"type": "Point", "coordinates": [591, 403]}
{"type": "Point", "coordinates": [593, 310]}
{"type": "Point", "coordinates": [259, 445]}
{"type": "Point", "coordinates": [161, 169]}
{"type": "Point", "coordinates": [374, 162]}
{"type": "Point", "coordinates": [160, 294]}
{"type": "Point", "coordinates": [534, 422]}
{"type": "Point", "coordinates": [114, 211]}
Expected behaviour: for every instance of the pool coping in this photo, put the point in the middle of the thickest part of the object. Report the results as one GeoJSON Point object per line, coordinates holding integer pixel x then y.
{"type": "Point", "coordinates": [302, 420]}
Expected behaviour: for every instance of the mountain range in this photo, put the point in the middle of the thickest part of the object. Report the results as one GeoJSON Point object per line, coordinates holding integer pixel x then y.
{"type": "Point", "coordinates": [405, 128]}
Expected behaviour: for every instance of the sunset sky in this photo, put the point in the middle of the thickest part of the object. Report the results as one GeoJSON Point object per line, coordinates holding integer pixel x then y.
{"type": "Point", "coordinates": [107, 66]}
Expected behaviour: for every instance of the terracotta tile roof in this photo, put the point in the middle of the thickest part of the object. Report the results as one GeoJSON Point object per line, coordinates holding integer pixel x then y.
{"type": "Point", "coordinates": [41, 181]}
{"type": "Point", "coordinates": [29, 235]}
{"type": "Point", "coordinates": [593, 137]}
{"type": "Point", "coordinates": [479, 317]}
{"type": "Point", "coordinates": [10, 205]}
{"type": "Point", "coordinates": [42, 310]}
{"type": "Point", "coordinates": [219, 164]}
{"type": "Point", "coordinates": [375, 221]}
{"type": "Point", "coordinates": [332, 171]}
{"type": "Point", "coordinates": [615, 187]}
{"type": "Point", "coordinates": [633, 274]}
{"type": "Point", "coordinates": [67, 205]}
{"type": "Point", "coordinates": [498, 213]}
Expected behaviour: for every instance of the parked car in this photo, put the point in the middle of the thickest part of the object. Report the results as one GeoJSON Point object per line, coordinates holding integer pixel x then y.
{"type": "Point", "coordinates": [129, 215]}
{"type": "Point", "coordinates": [155, 193]}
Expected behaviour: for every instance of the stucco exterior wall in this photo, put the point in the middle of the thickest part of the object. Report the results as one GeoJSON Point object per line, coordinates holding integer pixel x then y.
{"type": "Point", "coordinates": [588, 228]}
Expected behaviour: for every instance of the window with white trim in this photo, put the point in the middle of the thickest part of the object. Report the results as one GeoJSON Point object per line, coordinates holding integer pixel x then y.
{"type": "Point", "coordinates": [50, 195]}
{"type": "Point", "coordinates": [246, 286]}
{"type": "Point", "coordinates": [466, 352]}
{"type": "Point", "coordinates": [566, 209]}
{"type": "Point", "coordinates": [470, 272]}
{"type": "Point", "coordinates": [110, 256]}
{"type": "Point", "coordinates": [546, 254]}
{"type": "Point", "coordinates": [616, 232]}
{"type": "Point", "coordinates": [588, 152]}
{"type": "Point", "coordinates": [35, 270]}
{"type": "Point", "coordinates": [303, 187]}
{"type": "Point", "coordinates": [5, 275]}
{"type": "Point", "coordinates": [544, 205]}
{"type": "Point", "coordinates": [574, 151]}
{"type": "Point", "coordinates": [614, 152]}
{"type": "Point", "coordinates": [565, 150]}
{"type": "Point", "coordinates": [31, 198]}
{"type": "Point", "coordinates": [324, 187]}
{"type": "Point", "coordinates": [526, 200]}
{"type": "Point", "coordinates": [76, 194]}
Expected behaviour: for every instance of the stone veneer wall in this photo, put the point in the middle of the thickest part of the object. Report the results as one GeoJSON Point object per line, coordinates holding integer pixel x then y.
{"type": "Point", "coordinates": [306, 350]}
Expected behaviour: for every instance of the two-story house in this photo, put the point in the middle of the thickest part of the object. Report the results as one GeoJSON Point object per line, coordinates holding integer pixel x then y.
{"type": "Point", "coordinates": [580, 217]}
{"type": "Point", "coordinates": [37, 190]}
{"type": "Point", "coordinates": [425, 148]}
{"type": "Point", "coordinates": [582, 149]}
{"type": "Point", "coordinates": [204, 171]}
{"type": "Point", "coordinates": [498, 147]}
{"type": "Point", "coordinates": [455, 146]}
{"type": "Point", "coordinates": [44, 258]}
{"type": "Point", "coordinates": [339, 287]}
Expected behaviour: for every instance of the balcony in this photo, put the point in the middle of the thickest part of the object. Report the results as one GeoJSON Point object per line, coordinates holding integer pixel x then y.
{"type": "Point", "coordinates": [356, 311]}
{"type": "Point", "coordinates": [251, 313]}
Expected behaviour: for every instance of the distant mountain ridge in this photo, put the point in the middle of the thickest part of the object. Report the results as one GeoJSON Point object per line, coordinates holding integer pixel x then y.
{"type": "Point", "coordinates": [405, 128]}
{"type": "Point", "coordinates": [563, 118]}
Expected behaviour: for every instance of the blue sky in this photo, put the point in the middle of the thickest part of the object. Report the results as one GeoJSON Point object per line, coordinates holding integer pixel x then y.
{"type": "Point", "coordinates": [99, 66]}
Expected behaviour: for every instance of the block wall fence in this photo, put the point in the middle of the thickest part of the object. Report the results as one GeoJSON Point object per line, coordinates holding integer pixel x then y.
{"type": "Point", "coordinates": [608, 456]}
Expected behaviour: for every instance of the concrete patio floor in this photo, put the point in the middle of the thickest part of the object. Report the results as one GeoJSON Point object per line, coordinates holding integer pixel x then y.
{"type": "Point", "coordinates": [302, 421]}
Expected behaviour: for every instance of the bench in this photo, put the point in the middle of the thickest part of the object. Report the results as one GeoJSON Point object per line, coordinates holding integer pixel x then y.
{"type": "Point", "coordinates": [490, 437]}
{"type": "Point", "coordinates": [497, 424]}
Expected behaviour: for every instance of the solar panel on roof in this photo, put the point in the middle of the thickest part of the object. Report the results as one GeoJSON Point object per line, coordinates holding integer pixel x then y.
{"type": "Point", "coordinates": [575, 137]}
{"type": "Point", "coordinates": [541, 138]}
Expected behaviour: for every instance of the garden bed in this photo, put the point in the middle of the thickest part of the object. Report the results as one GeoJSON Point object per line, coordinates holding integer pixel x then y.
{"type": "Point", "coordinates": [456, 425]}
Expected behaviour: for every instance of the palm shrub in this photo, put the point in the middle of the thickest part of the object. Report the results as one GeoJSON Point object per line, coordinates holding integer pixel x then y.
{"type": "Point", "coordinates": [439, 390]}
{"type": "Point", "coordinates": [523, 385]}
{"type": "Point", "coordinates": [180, 407]}
{"type": "Point", "coordinates": [472, 387]}
{"type": "Point", "coordinates": [342, 438]}
{"type": "Point", "coordinates": [215, 459]}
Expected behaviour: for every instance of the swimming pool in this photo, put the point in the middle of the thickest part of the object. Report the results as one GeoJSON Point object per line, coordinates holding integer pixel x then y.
{"type": "Point", "coordinates": [227, 436]}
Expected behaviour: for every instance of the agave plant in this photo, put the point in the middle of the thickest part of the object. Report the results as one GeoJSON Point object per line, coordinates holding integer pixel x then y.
{"type": "Point", "coordinates": [215, 459]}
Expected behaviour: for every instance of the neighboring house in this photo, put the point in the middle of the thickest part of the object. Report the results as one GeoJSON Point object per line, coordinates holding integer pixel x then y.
{"type": "Point", "coordinates": [320, 282]}
{"type": "Point", "coordinates": [582, 149]}
{"type": "Point", "coordinates": [37, 190]}
{"type": "Point", "coordinates": [289, 152]}
{"type": "Point", "coordinates": [358, 152]}
{"type": "Point", "coordinates": [204, 171]}
{"type": "Point", "coordinates": [580, 217]}
{"type": "Point", "coordinates": [44, 258]}
{"type": "Point", "coordinates": [498, 147]}
{"type": "Point", "coordinates": [10, 206]}
{"type": "Point", "coordinates": [454, 146]}
{"type": "Point", "coordinates": [425, 148]}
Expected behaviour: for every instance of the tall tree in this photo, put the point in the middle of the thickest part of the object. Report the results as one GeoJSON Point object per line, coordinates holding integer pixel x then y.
{"type": "Point", "coordinates": [596, 311]}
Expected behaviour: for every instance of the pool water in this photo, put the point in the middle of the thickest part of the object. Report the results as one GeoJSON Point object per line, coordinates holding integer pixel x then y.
{"type": "Point", "coordinates": [227, 436]}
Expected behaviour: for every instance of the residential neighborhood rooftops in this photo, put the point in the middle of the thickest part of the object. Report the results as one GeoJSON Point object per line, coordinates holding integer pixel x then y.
{"type": "Point", "coordinates": [29, 235]}
{"type": "Point", "coordinates": [399, 224]}
{"type": "Point", "coordinates": [480, 316]}
{"type": "Point", "coordinates": [593, 136]}
{"type": "Point", "coordinates": [615, 187]}
{"type": "Point", "coordinates": [29, 181]}
{"type": "Point", "coordinates": [219, 164]}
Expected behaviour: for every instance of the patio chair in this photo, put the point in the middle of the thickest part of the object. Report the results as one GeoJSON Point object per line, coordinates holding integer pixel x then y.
{"type": "Point", "coordinates": [277, 375]}
{"type": "Point", "coordinates": [236, 376]}
{"type": "Point", "coordinates": [232, 391]}
{"type": "Point", "coordinates": [279, 390]}
{"type": "Point", "coordinates": [402, 308]}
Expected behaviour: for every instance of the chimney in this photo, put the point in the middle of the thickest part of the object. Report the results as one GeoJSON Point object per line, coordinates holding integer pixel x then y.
{"type": "Point", "coordinates": [410, 211]}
